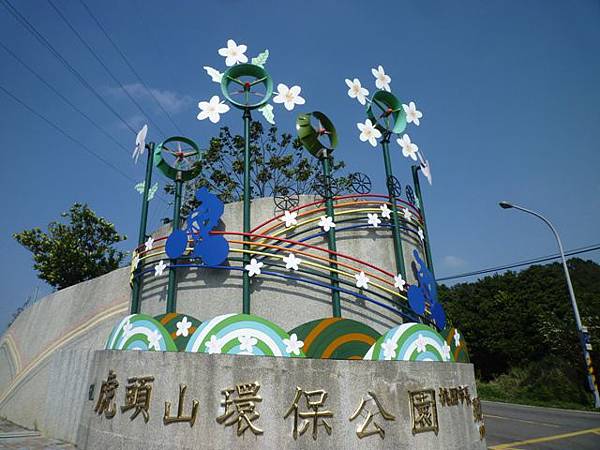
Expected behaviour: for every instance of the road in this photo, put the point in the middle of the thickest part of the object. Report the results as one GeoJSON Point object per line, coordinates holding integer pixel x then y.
{"type": "Point", "coordinates": [510, 426]}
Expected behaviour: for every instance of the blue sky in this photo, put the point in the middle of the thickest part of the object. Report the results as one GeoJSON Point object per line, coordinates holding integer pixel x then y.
{"type": "Point", "coordinates": [509, 92]}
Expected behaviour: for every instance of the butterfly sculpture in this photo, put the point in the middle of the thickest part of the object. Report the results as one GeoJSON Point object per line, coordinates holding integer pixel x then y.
{"type": "Point", "coordinates": [426, 293]}
{"type": "Point", "coordinates": [140, 188]}
{"type": "Point", "coordinates": [212, 249]}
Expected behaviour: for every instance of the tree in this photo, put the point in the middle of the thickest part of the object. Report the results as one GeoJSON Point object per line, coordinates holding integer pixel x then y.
{"type": "Point", "coordinates": [72, 252]}
{"type": "Point", "coordinates": [279, 166]}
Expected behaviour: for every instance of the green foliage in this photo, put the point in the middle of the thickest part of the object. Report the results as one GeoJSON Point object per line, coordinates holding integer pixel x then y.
{"type": "Point", "coordinates": [278, 165]}
{"type": "Point", "coordinates": [75, 251]}
{"type": "Point", "coordinates": [521, 331]}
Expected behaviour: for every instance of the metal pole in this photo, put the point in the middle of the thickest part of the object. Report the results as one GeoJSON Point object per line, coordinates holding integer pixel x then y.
{"type": "Point", "coordinates": [395, 222]}
{"type": "Point", "coordinates": [417, 184]}
{"type": "Point", "coordinates": [246, 255]}
{"type": "Point", "coordinates": [335, 293]}
{"type": "Point", "coordinates": [171, 294]}
{"type": "Point", "coordinates": [586, 355]}
{"type": "Point", "coordinates": [137, 280]}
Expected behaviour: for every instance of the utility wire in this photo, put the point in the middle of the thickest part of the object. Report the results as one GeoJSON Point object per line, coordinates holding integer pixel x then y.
{"type": "Point", "coordinates": [576, 251]}
{"type": "Point", "coordinates": [62, 97]}
{"type": "Point", "coordinates": [42, 40]}
{"type": "Point", "coordinates": [126, 60]}
{"type": "Point", "coordinates": [103, 64]}
{"type": "Point", "coordinates": [68, 136]}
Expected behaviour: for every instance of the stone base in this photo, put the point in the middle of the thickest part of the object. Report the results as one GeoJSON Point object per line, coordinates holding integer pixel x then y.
{"type": "Point", "coordinates": [345, 382]}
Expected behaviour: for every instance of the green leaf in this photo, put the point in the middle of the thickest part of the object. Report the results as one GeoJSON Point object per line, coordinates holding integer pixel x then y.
{"type": "Point", "coordinates": [267, 112]}
{"type": "Point", "coordinates": [261, 59]}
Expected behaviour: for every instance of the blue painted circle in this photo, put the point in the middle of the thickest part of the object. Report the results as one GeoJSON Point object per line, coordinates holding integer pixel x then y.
{"type": "Point", "coordinates": [416, 299]}
{"type": "Point", "coordinates": [176, 244]}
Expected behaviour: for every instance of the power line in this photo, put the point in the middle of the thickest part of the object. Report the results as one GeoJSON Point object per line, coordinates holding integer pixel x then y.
{"type": "Point", "coordinates": [42, 40]}
{"type": "Point", "coordinates": [576, 251]}
{"type": "Point", "coordinates": [103, 64]}
{"type": "Point", "coordinates": [61, 96]}
{"type": "Point", "coordinates": [126, 60]}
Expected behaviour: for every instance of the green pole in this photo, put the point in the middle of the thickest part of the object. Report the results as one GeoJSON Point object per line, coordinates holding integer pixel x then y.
{"type": "Point", "coordinates": [171, 299]}
{"type": "Point", "coordinates": [335, 294]}
{"type": "Point", "coordinates": [137, 281]}
{"type": "Point", "coordinates": [395, 221]}
{"type": "Point", "coordinates": [246, 257]}
{"type": "Point", "coordinates": [415, 174]}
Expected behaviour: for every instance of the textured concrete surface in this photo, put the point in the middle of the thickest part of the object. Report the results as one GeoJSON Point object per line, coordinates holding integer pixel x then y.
{"type": "Point", "coordinates": [13, 436]}
{"type": "Point", "coordinates": [344, 381]}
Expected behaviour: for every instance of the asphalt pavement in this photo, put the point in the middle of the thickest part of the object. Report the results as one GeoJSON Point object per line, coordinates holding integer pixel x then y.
{"type": "Point", "coordinates": [510, 426]}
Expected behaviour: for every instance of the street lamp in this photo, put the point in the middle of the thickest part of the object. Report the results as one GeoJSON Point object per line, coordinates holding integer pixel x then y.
{"type": "Point", "coordinates": [581, 330]}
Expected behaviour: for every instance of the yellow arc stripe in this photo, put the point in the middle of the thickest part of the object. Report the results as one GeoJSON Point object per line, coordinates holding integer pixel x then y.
{"type": "Point", "coordinates": [555, 437]}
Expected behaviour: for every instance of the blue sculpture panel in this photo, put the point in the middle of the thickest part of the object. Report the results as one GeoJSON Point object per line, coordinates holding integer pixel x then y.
{"type": "Point", "coordinates": [212, 249]}
{"type": "Point", "coordinates": [426, 292]}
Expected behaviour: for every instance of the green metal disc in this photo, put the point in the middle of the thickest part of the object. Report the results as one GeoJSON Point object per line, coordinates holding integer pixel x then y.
{"type": "Point", "coordinates": [170, 171]}
{"type": "Point", "coordinates": [311, 138]}
{"type": "Point", "coordinates": [259, 75]}
{"type": "Point", "coordinates": [386, 112]}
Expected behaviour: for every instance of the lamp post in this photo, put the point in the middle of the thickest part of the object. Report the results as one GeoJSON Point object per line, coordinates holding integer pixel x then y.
{"type": "Point", "coordinates": [580, 328]}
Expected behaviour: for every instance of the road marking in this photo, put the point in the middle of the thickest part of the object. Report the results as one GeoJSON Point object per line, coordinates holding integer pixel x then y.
{"type": "Point", "coordinates": [523, 420]}
{"type": "Point", "coordinates": [555, 437]}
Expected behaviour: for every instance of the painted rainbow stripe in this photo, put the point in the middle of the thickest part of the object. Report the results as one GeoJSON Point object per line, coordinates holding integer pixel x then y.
{"type": "Point", "coordinates": [140, 332]}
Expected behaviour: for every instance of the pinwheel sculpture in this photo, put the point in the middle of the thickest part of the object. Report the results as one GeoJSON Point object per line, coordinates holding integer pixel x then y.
{"type": "Point", "coordinates": [246, 86]}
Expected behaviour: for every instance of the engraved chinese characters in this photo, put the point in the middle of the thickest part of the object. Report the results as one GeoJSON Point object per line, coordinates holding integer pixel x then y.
{"type": "Point", "coordinates": [314, 401]}
{"type": "Point", "coordinates": [240, 407]}
{"type": "Point", "coordinates": [369, 427]}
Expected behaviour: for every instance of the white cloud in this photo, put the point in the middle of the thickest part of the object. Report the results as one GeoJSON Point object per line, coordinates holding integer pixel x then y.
{"type": "Point", "coordinates": [171, 101]}
{"type": "Point", "coordinates": [453, 262]}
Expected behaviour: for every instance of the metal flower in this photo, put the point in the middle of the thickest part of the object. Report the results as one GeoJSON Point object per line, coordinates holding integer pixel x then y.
{"type": "Point", "coordinates": [399, 282]}
{"type": "Point", "coordinates": [289, 218]}
{"type": "Point", "coordinates": [326, 222]}
{"type": "Point", "coordinates": [290, 97]}
{"type": "Point", "coordinates": [234, 53]}
{"type": "Point", "coordinates": [357, 91]}
{"type": "Point", "coordinates": [368, 132]}
{"type": "Point", "coordinates": [373, 220]}
{"type": "Point", "coordinates": [412, 114]}
{"type": "Point", "coordinates": [362, 281]}
{"type": "Point", "coordinates": [385, 211]}
{"type": "Point", "coordinates": [382, 81]}
{"type": "Point", "coordinates": [183, 327]}
{"type": "Point", "coordinates": [407, 214]}
{"type": "Point", "coordinates": [291, 262]}
{"type": "Point", "coordinates": [159, 268]}
{"type": "Point", "coordinates": [212, 109]}
{"type": "Point", "coordinates": [293, 344]}
{"type": "Point", "coordinates": [409, 149]}
{"type": "Point", "coordinates": [254, 267]}
{"type": "Point", "coordinates": [149, 243]}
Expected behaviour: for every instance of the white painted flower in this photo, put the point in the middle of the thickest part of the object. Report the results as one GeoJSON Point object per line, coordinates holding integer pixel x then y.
{"type": "Point", "coordinates": [421, 343]}
{"type": "Point", "coordinates": [149, 243]}
{"type": "Point", "coordinates": [246, 343]}
{"type": "Point", "coordinates": [293, 345]}
{"type": "Point", "coordinates": [254, 267]}
{"type": "Point", "coordinates": [140, 143]}
{"type": "Point", "coordinates": [421, 234]}
{"type": "Point", "coordinates": [382, 81]}
{"type": "Point", "coordinates": [373, 220]}
{"type": "Point", "coordinates": [183, 327]}
{"type": "Point", "coordinates": [412, 115]}
{"type": "Point", "coordinates": [289, 218]}
{"type": "Point", "coordinates": [291, 262]}
{"type": "Point", "coordinates": [159, 268]}
{"type": "Point", "coordinates": [135, 261]}
{"type": "Point", "coordinates": [212, 109]}
{"type": "Point", "coordinates": [290, 97]}
{"type": "Point", "coordinates": [409, 149]}
{"type": "Point", "coordinates": [154, 338]}
{"type": "Point", "coordinates": [456, 338]}
{"type": "Point", "coordinates": [214, 345]}
{"type": "Point", "coordinates": [385, 211]}
{"type": "Point", "coordinates": [399, 282]}
{"type": "Point", "coordinates": [214, 74]}
{"type": "Point", "coordinates": [326, 222]}
{"type": "Point", "coordinates": [127, 329]}
{"type": "Point", "coordinates": [357, 91]}
{"type": "Point", "coordinates": [389, 349]}
{"type": "Point", "coordinates": [234, 53]}
{"type": "Point", "coordinates": [407, 214]}
{"type": "Point", "coordinates": [362, 281]}
{"type": "Point", "coordinates": [368, 132]}
{"type": "Point", "coordinates": [446, 352]}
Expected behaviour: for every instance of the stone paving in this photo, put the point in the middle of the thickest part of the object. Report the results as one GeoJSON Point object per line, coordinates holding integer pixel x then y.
{"type": "Point", "coordinates": [13, 436]}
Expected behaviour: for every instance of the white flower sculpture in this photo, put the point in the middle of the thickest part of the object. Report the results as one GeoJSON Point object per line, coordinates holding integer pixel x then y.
{"type": "Point", "coordinates": [412, 114]}
{"type": "Point", "coordinates": [149, 244]}
{"type": "Point", "coordinates": [293, 344]}
{"type": "Point", "coordinates": [382, 81]}
{"type": "Point", "coordinates": [456, 338]}
{"type": "Point", "coordinates": [183, 327]}
{"type": "Point", "coordinates": [214, 345]}
{"type": "Point", "coordinates": [159, 268]}
{"type": "Point", "coordinates": [291, 262]}
{"type": "Point", "coordinates": [290, 97]}
{"type": "Point", "coordinates": [357, 91]}
{"type": "Point", "coordinates": [407, 214]}
{"type": "Point", "coordinates": [326, 222]}
{"type": "Point", "coordinates": [399, 282]}
{"type": "Point", "coordinates": [421, 234]}
{"type": "Point", "coordinates": [154, 338]}
{"type": "Point", "coordinates": [289, 218]}
{"type": "Point", "coordinates": [409, 149]}
{"type": "Point", "coordinates": [421, 343]}
{"type": "Point", "coordinates": [368, 132]}
{"type": "Point", "coordinates": [212, 109]}
{"type": "Point", "coordinates": [140, 143]}
{"type": "Point", "coordinates": [254, 267]}
{"type": "Point", "coordinates": [446, 352]}
{"type": "Point", "coordinates": [362, 281]}
{"type": "Point", "coordinates": [385, 211]}
{"type": "Point", "coordinates": [373, 220]}
{"type": "Point", "coordinates": [247, 343]}
{"type": "Point", "coordinates": [389, 349]}
{"type": "Point", "coordinates": [234, 53]}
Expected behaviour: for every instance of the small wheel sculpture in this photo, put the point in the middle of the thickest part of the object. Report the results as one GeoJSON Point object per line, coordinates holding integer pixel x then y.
{"type": "Point", "coordinates": [316, 132]}
{"type": "Point", "coordinates": [178, 155]}
{"type": "Point", "coordinates": [285, 198]}
{"type": "Point", "coordinates": [410, 195]}
{"type": "Point", "coordinates": [386, 113]}
{"type": "Point", "coordinates": [247, 86]}
{"type": "Point", "coordinates": [394, 186]}
{"type": "Point", "coordinates": [326, 187]}
{"type": "Point", "coordinates": [360, 183]}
